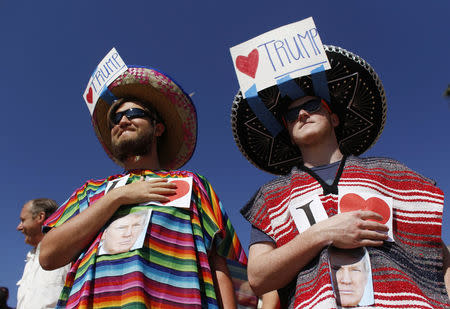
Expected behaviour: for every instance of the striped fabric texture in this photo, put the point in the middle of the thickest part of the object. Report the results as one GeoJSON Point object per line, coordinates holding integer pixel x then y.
{"type": "Point", "coordinates": [406, 274]}
{"type": "Point", "coordinates": [171, 270]}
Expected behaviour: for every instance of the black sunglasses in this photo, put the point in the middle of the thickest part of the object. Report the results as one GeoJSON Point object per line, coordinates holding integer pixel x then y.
{"type": "Point", "coordinates": [311, 106]}
{"type": "Point", "coordinates": [130, 113]}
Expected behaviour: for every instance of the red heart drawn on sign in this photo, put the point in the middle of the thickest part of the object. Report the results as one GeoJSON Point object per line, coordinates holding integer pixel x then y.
{"type": "Point", "coordinates": [182, 190]}
{"type": "Point", "coordinates": [248, 65]}
{"type": "Point", "coordinates": [352, 201]}
{"type": "Point", "coordinates": [89, 96]}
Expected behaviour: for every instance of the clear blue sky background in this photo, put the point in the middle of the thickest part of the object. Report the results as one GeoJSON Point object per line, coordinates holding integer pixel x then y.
{"type": "Point", "coordinates": [49, 49]}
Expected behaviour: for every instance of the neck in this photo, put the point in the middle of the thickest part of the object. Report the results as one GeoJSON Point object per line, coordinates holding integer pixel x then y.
{"type": "Point", "coordinates": [149, 162]}
{"type": "Point", "coordinates": [38, 242]}
{"type": "Point", "coordinates": [322, 154]}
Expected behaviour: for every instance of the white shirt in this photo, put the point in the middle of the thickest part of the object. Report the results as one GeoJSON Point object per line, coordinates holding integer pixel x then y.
{"type": "Point", "coordinates": [39, 288]}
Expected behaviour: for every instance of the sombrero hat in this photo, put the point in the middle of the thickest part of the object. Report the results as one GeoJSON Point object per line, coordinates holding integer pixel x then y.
{"type": "Point", "coordinates": [173, 105]}
{"type": "Point", "coordinates": [356, 96]}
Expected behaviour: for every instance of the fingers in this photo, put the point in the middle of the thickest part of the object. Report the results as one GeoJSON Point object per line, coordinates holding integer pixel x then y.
{"type": "Point", "coordinates": [372, 232]}
{"type": "Point", "coordinates": [156, 180]}
{"type": "Point", "coordinates": [146, 190]}
{"type": "Point", "coordinates": [161, 182]}
{"type": "Point", "coordinates": [371, 221]}
{"type": "Point", "coordinates": [373, 235]}
{"type": "Point", "coordinates": [373, 226]}
{"type": "Point", "coordinates": [367, 219]}
{"type": "Point", "coordinates": [162, 191]}
{"type": "Point", "coordinates": [358, 228]}
{"type": "Point", "coordinates": [363, 238]}
{"type": "Point", "coordinates": [158, 189]}
{"type": "Point", "coordinates": [155, 184]}
{"type": "Point", "coordinates": [370, 243]}
{"type": "Point", "coordinates": [158, 198]}
{"type": "Point", "coordinates": [370, 215]}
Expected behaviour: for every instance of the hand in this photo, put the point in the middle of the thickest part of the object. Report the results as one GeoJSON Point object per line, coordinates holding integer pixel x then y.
{"type": "Point", "coordinates": [141, 191]}
{"type": "Point", "coordinates": [354, 229]}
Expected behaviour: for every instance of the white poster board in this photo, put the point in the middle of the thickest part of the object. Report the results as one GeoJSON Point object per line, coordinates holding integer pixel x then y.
{"type": "Point", "coordinates": [361, 200]}
{"type": "Point", "coordinates": [293, 50]}
{"type": "Point", "coordinates": [181, 198]}
{"type": "Point", "coordinates": [306, 212]}
{"type": "Point", "coordinates": [111, 67]}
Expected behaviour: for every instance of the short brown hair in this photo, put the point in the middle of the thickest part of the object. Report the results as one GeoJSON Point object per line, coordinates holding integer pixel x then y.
{"type": "Point", "coordinates": [46, 205]}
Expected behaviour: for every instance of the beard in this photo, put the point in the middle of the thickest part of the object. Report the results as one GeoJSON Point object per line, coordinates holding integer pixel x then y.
{"type": "Point", "coordinates": [139, 146]}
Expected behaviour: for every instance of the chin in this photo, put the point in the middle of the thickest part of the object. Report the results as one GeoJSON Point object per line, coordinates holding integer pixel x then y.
{"type": "Point", "coordinates": [307, 140]}
{"type": "Point", "coordinates": [127, 138]}
{"type": "Point", "coordinates": [349, 302]}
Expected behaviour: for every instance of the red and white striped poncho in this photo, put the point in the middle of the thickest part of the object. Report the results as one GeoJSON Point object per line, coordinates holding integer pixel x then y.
{"type": "Point", "coordinates": [406, 274]}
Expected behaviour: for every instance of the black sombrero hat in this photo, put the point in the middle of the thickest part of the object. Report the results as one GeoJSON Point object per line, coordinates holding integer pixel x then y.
{"type": "Point", "coordinates": [356, 95]}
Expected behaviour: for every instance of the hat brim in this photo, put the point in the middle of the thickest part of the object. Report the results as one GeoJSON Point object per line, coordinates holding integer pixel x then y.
{"type": "Point", "coordinates": [357, 97]}
{"type": "Point", "coordinates": [173, 105]}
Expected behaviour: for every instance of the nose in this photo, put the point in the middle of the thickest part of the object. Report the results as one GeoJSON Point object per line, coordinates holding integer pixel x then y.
{"type": "Point", "coordinates": [19, 227]}
{"type": "Point", "coordinates": [344, 276]}
{"type": "Point", "coordinates": [124, 121]}
{"type": "Point", "coordinates": [302, 113]}
{"type": "Point", "coordinates": [127, 232]}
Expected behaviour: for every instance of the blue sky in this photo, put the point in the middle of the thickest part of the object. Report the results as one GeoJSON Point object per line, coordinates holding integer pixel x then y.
{"type": "Point", "coordinates": [50, 48]}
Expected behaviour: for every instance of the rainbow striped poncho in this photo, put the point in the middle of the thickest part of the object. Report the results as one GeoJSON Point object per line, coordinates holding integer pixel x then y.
{"type": "Point", "coordinates": [171, 270]}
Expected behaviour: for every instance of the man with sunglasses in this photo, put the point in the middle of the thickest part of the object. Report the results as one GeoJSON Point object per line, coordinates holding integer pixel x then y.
{"type": "Point", "coordinates": [121, 117]}
{"type": "Point", "coordinates": [150, 130]}
{"type": "Point", "coordinates": [327, 119]}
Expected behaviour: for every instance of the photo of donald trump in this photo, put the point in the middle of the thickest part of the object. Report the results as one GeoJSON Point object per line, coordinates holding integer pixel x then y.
{"type": "Point", "coordinates": [125, 233]}
{"type": "Point", "coordinates": [351, 276]}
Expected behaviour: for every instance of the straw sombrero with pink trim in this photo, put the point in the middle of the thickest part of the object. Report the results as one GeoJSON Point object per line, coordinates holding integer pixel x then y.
{"type": "Point", "coordinates": [173, 105]}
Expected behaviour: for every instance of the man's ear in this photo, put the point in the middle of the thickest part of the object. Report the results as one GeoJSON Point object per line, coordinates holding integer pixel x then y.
{"type": "Point", "coordinates": [40, 217]}
{"type": "Point", "coordinates": [334, 120]}
{"type": "Point", "coordinates": [159, 129]}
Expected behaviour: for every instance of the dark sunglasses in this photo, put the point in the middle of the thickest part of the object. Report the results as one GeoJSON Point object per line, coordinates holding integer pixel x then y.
{"type": "Point", "coordinates": [130, 114]}
{"type": "Point", "coordinates": [311, 106]}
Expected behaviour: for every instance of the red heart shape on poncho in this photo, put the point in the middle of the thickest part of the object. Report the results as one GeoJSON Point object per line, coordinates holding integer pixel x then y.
{"type": "Point", "coordinates": [182, 190]}
{"type": "Point", "coordinates": [352, 201]}
{"type": "Point", "coordinates": [89, 96]}
{"type": "Point", "coordinates": [248, 65]}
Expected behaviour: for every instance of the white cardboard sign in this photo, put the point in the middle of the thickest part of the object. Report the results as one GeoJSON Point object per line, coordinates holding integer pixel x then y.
{"type": "Point", "coordinates": [306, 212]}
{"type": "Point", "coordinates": [293, 50]}
{"type": "Point", "coordinates": [111, 67]}
{"type": "Point", "coordinates": [360, 200]}
{"type": "Point", "coordinates": [181, 199]}
{"type": "Point", "coordinates": [118, 182]}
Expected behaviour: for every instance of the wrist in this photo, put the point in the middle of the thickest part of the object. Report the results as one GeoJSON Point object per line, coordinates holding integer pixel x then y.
{"type": "Point", "coordinates": [116, 197]}
{"type": "Point", "coordinates": [321, 235]}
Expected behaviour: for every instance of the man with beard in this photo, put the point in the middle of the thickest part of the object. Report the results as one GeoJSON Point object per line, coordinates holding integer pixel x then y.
{"type": "Point", "coordinates": [150, 129]}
